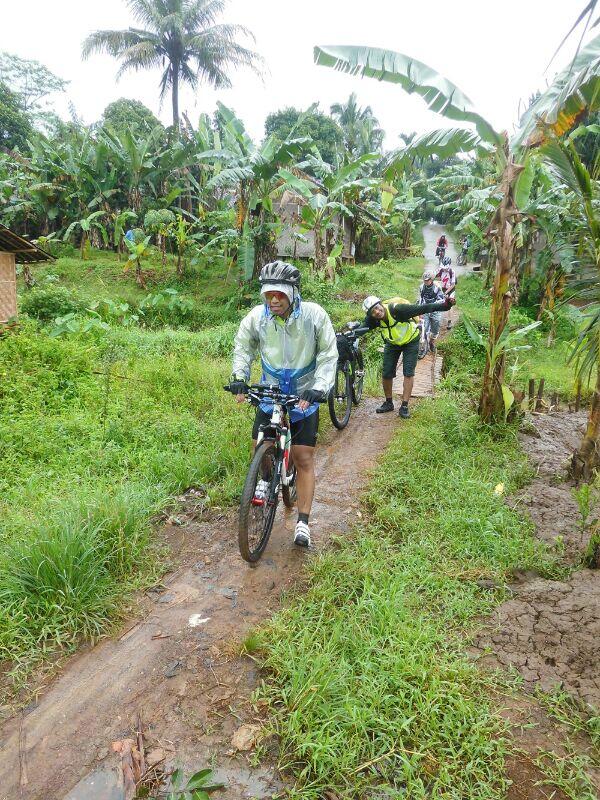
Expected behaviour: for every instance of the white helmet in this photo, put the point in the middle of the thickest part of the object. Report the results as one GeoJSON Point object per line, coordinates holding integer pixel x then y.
{"type": "Point", "coordinates": [428, 275]}
{"type": "Point", "coordinates": [370, 302]}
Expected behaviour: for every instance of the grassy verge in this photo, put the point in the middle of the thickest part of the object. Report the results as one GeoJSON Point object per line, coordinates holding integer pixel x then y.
{"type": "Point", "coordinates": [369, 686]}
{"type": "Point", "coordinates": [98, 432]}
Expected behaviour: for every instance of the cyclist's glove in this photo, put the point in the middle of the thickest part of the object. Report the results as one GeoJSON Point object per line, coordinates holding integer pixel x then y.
{"type": "Point", "coordinates": [313, 396]}
{"type": "Point", "coordinates": [450, 301]}
{"type": "Point", "coordinates": [238, 386]}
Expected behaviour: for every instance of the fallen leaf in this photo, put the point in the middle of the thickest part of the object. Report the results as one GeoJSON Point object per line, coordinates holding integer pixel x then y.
{"type": "Point", "coordinates": [245, 737]}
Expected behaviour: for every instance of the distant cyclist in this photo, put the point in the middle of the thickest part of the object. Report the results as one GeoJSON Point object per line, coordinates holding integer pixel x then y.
{"type": "Point", "coordinates": [447, 278]}
{"type": "Point", "coordinates": [442, 244]}
{"type": "Point", "coordinates": [431, 292]}
{"type": "Point", "coordinates": [298, 350]}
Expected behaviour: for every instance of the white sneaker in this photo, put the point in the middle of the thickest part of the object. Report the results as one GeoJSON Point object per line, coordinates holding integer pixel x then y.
{"type": "Point", "coordinates": [302, 535]}
{"type": "Point", "coordinates": [262, 490]}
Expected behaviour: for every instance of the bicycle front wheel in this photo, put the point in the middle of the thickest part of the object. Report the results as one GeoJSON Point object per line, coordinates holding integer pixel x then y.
{"type": "Point", "coordinates": [340, 397]}
{"type": "Point", "coordinates": [289, 492]}
{"type": "Point", "coordinates": [358, 378]}
{"type": "Point", "coordinates": [423, 346]}
{"type": "Point", "coordinates": [258, 505]}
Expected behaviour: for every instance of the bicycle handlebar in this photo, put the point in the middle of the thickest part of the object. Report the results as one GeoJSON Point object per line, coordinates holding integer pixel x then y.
{"type": "Point", "coordinates": [353, 333]}
{"type": "Point", "coordinates": [261, 391]}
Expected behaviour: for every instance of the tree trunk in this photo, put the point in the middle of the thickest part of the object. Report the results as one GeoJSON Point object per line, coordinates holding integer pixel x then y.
{"type": "Point", "coordinates": [320, 258]}
{"type": "Point", "coordinates": [28, 276]}
{"type": "Point", "coordinates": [586, 459]}
{"type": "Point", "coordinates": [491, 404]}
{"type": "Point", "coordinates": [175, 94]}
{"type": "Point", "coordinates": [139, 277]}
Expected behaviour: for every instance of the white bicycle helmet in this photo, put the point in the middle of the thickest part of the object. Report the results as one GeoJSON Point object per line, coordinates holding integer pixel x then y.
{"type": "Point", "coordinates": [428, 275]}
{"type": "Point", "coordinates": [370, 302]}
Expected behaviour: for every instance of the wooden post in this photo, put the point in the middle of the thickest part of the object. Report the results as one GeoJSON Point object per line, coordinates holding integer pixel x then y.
{"type": "Point", "coordinates": [540, 395]}
{"type": "Point", "coordinates": [531, 393]}
{"type": "Point", "coordinates": [555, 402]}
{"type": "Point", "coordinates": [8, 287]}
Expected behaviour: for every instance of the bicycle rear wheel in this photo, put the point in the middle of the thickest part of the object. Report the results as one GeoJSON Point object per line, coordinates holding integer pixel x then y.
{"type": "Point", "coordinates": [257, 513]}
{"type": "Point", "coordinates": [340, 397]}
{"type": "Point", "coordinates": [358, 378]}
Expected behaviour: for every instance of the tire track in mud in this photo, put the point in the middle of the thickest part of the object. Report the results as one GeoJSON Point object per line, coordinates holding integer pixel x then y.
{"type": "Point", "coordinates": [178, 666]}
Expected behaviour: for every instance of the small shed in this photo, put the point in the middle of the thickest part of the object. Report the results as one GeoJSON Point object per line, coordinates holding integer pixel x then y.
{"type": "Point", "coordinates": [14, 250]}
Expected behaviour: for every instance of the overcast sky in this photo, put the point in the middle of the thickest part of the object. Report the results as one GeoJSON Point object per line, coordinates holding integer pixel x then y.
{"type": "Point", "coordinates": [497, 53]}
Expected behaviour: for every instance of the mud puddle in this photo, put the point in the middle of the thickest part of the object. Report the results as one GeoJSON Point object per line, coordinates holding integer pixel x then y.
{"type": "Point", "coordinates": [179, 667]}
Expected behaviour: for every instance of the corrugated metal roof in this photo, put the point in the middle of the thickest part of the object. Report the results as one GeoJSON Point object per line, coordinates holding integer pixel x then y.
{"type": "Point", "coordinates": [25, 252]}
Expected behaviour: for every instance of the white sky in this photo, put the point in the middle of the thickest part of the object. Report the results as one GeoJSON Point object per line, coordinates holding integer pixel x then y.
{"type": "Point", "coordinates": [495, 52]}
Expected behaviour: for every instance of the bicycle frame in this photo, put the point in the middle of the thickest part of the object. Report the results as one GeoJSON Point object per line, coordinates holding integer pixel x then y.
{"type": "Point", "coordinates": [279, 428]}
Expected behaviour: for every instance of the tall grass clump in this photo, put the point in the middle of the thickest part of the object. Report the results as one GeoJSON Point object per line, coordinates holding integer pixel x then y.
{"type": "Point", "coordinates": [98, 432]}
{"type": "Point", "coordinates": [368, 684]}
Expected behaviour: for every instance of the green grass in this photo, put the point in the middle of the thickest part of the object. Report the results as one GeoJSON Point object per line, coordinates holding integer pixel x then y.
{"type": "Point", "coordinates": [540, 361]}
{"type": "Point", "coordinates": [98, 433]}
{"type": "Point", "coordinates": [368, 682]}
{"type": "Point", "coordinates": [100, 430]}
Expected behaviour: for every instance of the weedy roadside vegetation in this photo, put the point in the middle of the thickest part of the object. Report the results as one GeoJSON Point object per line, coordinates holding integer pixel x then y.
{"type": "Point", "coordinates": [367, 679]}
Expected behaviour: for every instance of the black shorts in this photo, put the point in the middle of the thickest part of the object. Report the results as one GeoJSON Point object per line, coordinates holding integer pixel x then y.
{"type": "Point", "coordinates": [304, 431]}
{"type": "Point", "coordinates": [409, 353]}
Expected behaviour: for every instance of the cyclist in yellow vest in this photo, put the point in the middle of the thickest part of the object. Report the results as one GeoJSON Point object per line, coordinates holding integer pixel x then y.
{"type": "Point", "coordinates": [394, 320]}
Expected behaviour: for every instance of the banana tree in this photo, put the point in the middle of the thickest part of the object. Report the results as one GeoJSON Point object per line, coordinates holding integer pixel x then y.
{"type": "Point", "coordinates": [253, 174]}
{"type": "Point", "coordinates": [574, 91]}
{"type": "Point", "coordinates": [87, 225]}
{"type": "Point", "coordinates": [583, 188]}
{"type": "Point", "coordinates": [334, 194]}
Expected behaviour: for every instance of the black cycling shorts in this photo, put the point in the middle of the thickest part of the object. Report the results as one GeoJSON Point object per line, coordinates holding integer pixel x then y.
{"type": "Point", "coordinates": [304, 431]}
{"type": "Point", "coordinates": [392, 353]}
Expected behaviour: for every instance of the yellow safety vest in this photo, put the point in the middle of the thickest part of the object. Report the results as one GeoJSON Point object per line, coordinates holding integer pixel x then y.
{"type": "Point", "coordinates": [395, 332]}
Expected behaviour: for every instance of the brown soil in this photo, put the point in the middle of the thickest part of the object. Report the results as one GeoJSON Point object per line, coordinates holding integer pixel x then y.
{"type": "Point", "coordinates": [549, 630]}
{"type": "Point", "coordinates": [179, 666]}
{"type": "Point", "coordinates": [549, 498]}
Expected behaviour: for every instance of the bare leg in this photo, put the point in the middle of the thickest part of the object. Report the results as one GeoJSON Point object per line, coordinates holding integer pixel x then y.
{"type": "Point", "coordinates": [304, 460]}
{"type": "Point", "coordinates": [387, 384]}
{"type": "Point", "coordinates": [407, 388]}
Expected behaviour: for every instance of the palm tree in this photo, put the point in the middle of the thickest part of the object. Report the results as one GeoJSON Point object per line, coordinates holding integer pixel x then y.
{"type": "Point", "coordinates": [182, 36]}
{"type": "Point", "coordinates": [360, 126]}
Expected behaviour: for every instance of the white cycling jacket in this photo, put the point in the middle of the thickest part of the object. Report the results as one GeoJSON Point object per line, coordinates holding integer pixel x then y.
{"type": "Point", "coordinates": [298, 354]}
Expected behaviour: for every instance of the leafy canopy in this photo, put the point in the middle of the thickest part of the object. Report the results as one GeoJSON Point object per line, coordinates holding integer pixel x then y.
{"type": "Point", "coordinates": [325, 133]}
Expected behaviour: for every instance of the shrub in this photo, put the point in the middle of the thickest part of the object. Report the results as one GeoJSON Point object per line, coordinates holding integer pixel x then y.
{"type": "Point", "coordinates": [50, 302]}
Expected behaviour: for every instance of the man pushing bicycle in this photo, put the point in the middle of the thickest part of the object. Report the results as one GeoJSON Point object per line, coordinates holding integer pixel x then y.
{"type": "Point", "coordinates": [395, 321]}
{"type": "Point", "coordinates": [298, 351]}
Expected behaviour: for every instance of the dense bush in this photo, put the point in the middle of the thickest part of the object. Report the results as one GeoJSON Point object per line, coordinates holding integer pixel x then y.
{"type": "Point", "coordinates": [49, 302]}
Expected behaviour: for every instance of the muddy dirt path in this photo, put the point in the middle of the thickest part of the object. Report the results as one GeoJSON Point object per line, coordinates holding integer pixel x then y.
{"type": "Point", "coordinates": [178, 667]}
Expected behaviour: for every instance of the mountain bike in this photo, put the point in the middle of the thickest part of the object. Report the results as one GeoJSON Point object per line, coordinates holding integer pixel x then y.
{"type": "Point", "coordinates": [425, 338]}
{"type": "Point", "coordinates": [271, 470]}
{"type": "Point", "coordinates": [461, 258]}
{"type": "Point", "coordinates": [440, 253]}
{"type": "Point", "coordinates": [349, 376]}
